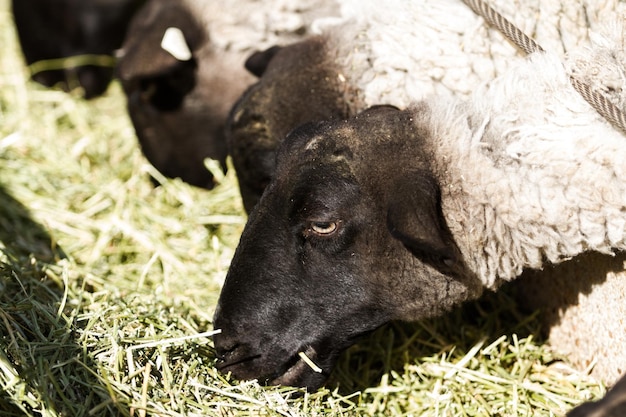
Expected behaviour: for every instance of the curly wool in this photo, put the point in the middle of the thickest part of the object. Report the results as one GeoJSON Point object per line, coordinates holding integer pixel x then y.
{"type": "Point", "coordinates": [409, 50]}
{"type": "Point", "coordinates": [245, 26]}
{"type": "Point", "coordinates": [531, 172]}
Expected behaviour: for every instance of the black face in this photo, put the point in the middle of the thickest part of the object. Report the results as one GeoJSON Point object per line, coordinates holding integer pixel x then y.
{"type": "Point", "coordinates": [299, 266]}
{"type": "Point", "coordinates": [330, 254]}
{"type": "Point", "coordinates": [178, 107]}
{"type": "Point", "coordinates": [176, 124]}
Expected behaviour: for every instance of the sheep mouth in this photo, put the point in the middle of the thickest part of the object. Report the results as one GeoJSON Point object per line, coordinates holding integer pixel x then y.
{"type": "Point", "coordinates": [300, 370]}
{"type": "Point", "coordinates": [231, 361]}
{"type": "Point", "coordinates": [223, 365]}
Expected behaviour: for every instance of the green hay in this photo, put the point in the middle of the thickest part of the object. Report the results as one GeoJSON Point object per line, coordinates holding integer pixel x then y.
{"type": "Point", "coordinates": [108, 286]}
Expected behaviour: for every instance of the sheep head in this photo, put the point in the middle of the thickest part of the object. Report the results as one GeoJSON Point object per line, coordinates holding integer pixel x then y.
{"type": "Point", "coordinates": [348, 235]}
{"type": "Point", "coordinates": [180, 88]}
{"type": "Point", "coordinates": [297, 84]}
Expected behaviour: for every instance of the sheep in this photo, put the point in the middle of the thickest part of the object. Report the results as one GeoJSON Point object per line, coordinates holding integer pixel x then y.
{"type": "Point", "coordinates": [181, 67]}
{"type": "Point", "coordinates": [369, 56]}
{"type": "Point", "coordinates": [404, 213]}
{"type": "Point", "coordinates": [53, 30]}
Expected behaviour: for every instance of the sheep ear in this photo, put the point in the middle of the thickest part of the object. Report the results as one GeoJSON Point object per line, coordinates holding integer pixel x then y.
{"type": "Point", "coordinates": [257, 63]}
{"type": "Point", "coordinates": [414, 217]}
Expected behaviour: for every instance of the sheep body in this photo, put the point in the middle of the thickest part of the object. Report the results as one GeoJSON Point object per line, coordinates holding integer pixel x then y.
{"type": "Point", "coordinates": [244, 26]}
{"type": "Point", "coordinates": [582, 310]}
{"type": "Point", "coordinates": [547, 185]}
{"type": "Point", "coordinates": [528, 174]}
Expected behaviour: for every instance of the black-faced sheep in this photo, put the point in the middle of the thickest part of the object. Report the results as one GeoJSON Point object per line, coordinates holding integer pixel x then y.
{"type": "Point", "coordinates": [52, 30]}
{"type": "Point", "coordinates": [403, 214]}
{"type": "Point", "coordinates": [182, 68]}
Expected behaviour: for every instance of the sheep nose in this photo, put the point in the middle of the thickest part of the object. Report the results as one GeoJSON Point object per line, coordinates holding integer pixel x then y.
{"type": "Point", "coordinates": [230, 351]}
{"type": "Point", "coordinates": [223, 344]}
{"type": "Point", "coordinates": [235, 357]}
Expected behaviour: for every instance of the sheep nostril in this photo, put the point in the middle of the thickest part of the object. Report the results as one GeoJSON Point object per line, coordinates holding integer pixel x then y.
{"type": "Point", "coordinates": [223, 352]}
{"type": "Point", "coordinates": [229, 355]}
{"type": "Point", "coordinates": [226, 347]}
{"type": "Point", "coordinates": [223, 344]}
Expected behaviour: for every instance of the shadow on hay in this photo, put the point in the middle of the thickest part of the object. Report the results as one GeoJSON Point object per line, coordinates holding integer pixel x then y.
{"type": "Point", "coordinates": [528, 307]}
{"type": "Point", "coordinates": [21, 236]}
{"type": "Point", "coordinates": [558, 287]}
{"type": "Point", "coordinates": [396, 345]}
{"type": "Point", "coordinates": [35, 339]}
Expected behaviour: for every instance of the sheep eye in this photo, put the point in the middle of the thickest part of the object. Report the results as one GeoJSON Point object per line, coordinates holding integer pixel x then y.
{"type": "Point", "coordinates": [324, 228]}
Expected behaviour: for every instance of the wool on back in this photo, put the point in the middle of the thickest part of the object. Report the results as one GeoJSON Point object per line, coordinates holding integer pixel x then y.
{"type": "Point", "coordinates": [404, 51]}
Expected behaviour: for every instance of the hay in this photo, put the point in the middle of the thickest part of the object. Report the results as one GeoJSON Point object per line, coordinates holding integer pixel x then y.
{"type": "Point", "coordinates": [310, 363]}
{"type": "Point", "coordinates": [108, 286]}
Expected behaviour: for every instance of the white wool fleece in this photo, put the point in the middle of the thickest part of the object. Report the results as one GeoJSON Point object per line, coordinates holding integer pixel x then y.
{"type": "Point", "coordinates": [401, 51]}
{"type": "Point", "coordinates": [530, 172]}
{"type": "Point", "coordinates": [247, 25]}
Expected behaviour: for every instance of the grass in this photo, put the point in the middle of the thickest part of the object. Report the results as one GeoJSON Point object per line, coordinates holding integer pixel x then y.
{"type": "Point", "coordinates": [108, 285]}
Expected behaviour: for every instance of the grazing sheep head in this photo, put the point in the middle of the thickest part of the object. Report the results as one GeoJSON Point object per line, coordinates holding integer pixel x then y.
{"type": "Point", "coordinates": [178, 96]}
{"type": "Point", "coordinates": [348, 235]}
{"type": "Point", "coordinates": [298, 84]}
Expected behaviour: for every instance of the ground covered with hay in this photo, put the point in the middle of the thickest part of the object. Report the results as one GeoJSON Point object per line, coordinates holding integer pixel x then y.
{"type": "Point", "coordinates": [108, 286]}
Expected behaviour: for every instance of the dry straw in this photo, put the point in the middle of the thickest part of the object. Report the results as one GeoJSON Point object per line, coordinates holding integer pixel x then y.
{"type": "Point", "coordinates": [107, 288]}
